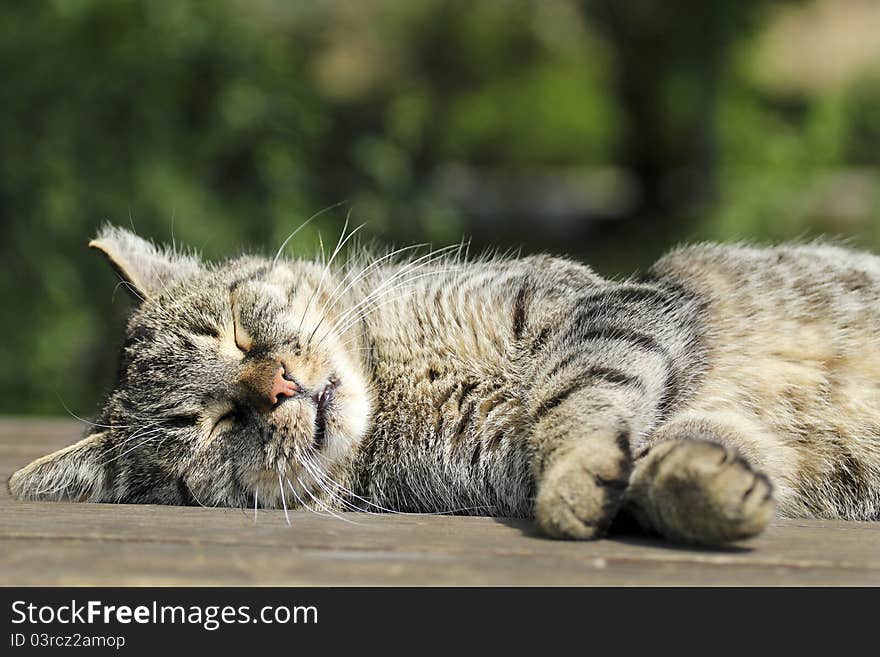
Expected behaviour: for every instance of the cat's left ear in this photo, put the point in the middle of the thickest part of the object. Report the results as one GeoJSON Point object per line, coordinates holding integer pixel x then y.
{"type": "Point", "coordinates": [146, 269]}
{"type": "Point", "coordinates": [77, 472]}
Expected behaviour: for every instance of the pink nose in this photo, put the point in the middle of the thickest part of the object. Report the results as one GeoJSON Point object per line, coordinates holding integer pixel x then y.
{"type": "Point", "coordinates": [282, 387]}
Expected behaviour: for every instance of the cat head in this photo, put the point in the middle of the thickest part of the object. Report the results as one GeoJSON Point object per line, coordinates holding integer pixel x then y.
{"type": "Point", "coordinates": [237, 384]}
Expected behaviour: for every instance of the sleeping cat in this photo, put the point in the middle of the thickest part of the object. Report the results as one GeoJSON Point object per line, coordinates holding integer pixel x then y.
{"type": "Point", "coordinates": [726, 381]}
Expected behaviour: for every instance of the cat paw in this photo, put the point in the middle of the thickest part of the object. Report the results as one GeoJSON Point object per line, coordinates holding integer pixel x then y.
{"type": "Point", "coordinates": [701, 492]}
{"type": "Point", "coordinates": [577, 499]}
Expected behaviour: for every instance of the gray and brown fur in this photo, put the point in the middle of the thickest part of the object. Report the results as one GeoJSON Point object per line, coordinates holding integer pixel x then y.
{"type": "Point", "coordinates": [725, 380]}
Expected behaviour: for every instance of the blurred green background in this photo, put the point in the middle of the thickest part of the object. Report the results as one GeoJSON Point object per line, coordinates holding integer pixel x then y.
{"type": "Point", "coordinates": [604, 129]}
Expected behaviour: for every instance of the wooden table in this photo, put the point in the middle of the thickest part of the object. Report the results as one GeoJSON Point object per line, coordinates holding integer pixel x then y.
{"type": "Point", "coordinates": [98, 544]}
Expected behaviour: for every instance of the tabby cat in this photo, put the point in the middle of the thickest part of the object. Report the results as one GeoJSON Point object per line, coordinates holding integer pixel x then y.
{"type": "Point", "coordinates": [726, 382]}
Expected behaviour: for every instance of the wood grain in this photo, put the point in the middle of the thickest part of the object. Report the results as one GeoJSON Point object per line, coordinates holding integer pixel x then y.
{"type": "Point", "coordinates": [99, 544]}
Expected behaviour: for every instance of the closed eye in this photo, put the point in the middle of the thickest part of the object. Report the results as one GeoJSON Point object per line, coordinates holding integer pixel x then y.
{"type": "Point", "coordinates": [181, 421]}
{"type": "Point", "coordinates": [219, 416]}
{"type": "Point", "coordinates": [222, 423]}
{"type": "Point", "coordinates": [241, 337]}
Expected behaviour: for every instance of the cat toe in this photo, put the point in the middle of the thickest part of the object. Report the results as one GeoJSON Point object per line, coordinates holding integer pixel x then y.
{"type": "Point", "coordinates": [706, 494]}
{"type": "Point", "coordinates": [575, 502]}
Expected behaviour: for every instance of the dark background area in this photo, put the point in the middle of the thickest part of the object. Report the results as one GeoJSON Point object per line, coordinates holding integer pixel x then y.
{"type": "Point", "coordinates": [608, 130]}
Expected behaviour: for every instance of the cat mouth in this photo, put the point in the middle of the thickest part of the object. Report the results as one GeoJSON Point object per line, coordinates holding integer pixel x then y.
{"type": "Point", "coordinates": [323, 399]}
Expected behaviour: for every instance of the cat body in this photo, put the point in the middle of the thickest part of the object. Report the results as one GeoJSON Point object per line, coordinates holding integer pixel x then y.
{"type": "Point", "coordinates": [474, 359]}
{"type": "Point", "coordinates": [513, 387]}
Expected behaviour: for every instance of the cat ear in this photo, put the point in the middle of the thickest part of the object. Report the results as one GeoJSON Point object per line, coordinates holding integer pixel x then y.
{"type": "Point", "coordinates": [145, 268]}
{"type": "Point", "coordinates": [77, 472]}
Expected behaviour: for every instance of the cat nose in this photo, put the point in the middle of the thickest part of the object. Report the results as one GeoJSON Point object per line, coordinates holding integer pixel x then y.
{"type": "Point", "coordinates": [283, 385]}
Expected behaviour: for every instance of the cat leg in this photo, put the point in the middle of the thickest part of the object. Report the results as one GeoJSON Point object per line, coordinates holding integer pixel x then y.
{"type": "Point", "coordinates": [693, 485]}
{"type": "Point", "coordinates": [593, 387]}
{"type": "Point", "coordinates": [582, 464]}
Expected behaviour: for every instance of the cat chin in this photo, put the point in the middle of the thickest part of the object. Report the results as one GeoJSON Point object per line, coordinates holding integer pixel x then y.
{"type": "Point", "coordinates": [292, 487]}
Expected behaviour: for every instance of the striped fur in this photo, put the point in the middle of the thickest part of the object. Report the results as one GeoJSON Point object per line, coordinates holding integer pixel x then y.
{"type": "Point", "coordinates": [516, 387]}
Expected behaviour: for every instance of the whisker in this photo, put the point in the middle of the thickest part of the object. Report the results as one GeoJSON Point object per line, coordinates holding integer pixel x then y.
{"type": "Point", "coordinates": [198, 501]}
{"type": "Point", "coordinates": [431, 257]}
{"type": "Point", "coordinates": [340, 330]}
{"type": "Point", "coordinates": [94, 424]}
{"type": "Point", "coordinates": [130, 287]}
{"type": "Point", "coordinates": [311, 468]}
{"type": "Point", "coordinates": [303, 225]}
{"type": "Point", "coordinates": [324, 506]}
{"type": "Point", "coordinates": [306, 465]}
{"type": "Point", "coordinates": [342, 241]}
{"type": "Point", "coordinates": [406, 513]}
{"type": "Point", "coordinates": [143, 443]}
{"type": "Point", "coordinates": [379, 292]}
{"type": "Point", "coordinates": [321, 245]}
{"type": "Point", "coordinates": [283, 500]}
{"type": "Point", "coordinates": [300, 500]}
{"type": "Point", "coordinates": [337, 294]}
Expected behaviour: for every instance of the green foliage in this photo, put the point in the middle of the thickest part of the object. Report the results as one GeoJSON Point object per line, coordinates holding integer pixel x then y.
{"type": "Point", "coordinates": [603, 129]}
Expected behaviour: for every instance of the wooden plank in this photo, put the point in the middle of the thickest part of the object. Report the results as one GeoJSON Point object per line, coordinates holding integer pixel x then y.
{"type": "Point", "coordinates": [94, 544]}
